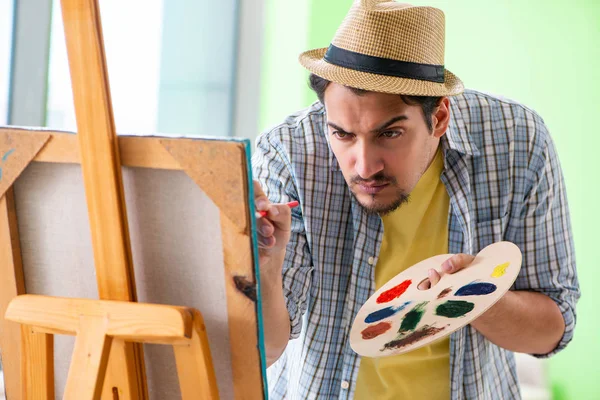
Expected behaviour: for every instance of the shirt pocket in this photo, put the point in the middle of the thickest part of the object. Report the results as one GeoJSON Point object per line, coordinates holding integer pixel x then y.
{"type": "Point", "coordinates": [488, 232]}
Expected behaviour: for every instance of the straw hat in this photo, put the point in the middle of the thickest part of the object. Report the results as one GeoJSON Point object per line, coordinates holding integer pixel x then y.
{"type": "Point", "coordinates": [389, 47]}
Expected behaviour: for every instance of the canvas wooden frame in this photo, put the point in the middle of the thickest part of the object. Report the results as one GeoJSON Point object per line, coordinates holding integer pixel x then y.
{"type": "Point", "coordinates": [202, 160]}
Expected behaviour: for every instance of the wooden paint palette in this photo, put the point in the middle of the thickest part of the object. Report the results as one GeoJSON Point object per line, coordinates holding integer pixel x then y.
{"type": "Point", "coordinates": [399, 317]}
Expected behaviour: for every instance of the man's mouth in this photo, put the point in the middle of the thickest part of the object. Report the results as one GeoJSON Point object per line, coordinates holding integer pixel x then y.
{"type": "Point", "coordinates": [372, 187]}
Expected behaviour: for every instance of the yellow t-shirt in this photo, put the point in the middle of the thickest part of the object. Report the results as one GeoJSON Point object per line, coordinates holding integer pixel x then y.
{"type": "Point", "coordinates": [412, 233]}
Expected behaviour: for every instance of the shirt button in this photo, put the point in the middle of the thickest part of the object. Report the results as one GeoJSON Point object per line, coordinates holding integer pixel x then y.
{"type": "Point", "coordinates": [371, 261]}
{"type": "Point", "coordinates": [345, 385]}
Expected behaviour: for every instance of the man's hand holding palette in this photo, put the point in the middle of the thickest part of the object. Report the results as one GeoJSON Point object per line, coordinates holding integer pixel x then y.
{"type": "Point", "coordinates": [400, 317]}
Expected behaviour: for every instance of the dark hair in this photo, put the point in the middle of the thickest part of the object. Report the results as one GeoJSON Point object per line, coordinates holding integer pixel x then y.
{"type": "Point", "coordinates": [427, 103]}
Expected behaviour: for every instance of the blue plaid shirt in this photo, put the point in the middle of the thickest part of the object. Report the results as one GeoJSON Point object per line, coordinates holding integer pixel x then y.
{"type": "Point", "coordinates": [505, 183]}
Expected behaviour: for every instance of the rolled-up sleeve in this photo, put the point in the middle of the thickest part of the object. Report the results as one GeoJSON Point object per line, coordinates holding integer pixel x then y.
{"type": "Point", "coordinates": [272, 168]}
{"type": "Point", "coordinates": [545, 236]}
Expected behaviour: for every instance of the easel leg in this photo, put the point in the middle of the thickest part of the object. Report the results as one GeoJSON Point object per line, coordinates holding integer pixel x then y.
{"type": "Point", "coordinates": [12, 284]}
{"type": "Point", "coordinates": [121, 380]}
{"type": "Point", "coordinates": [101, 169]}
{"type": "Point", "coordinates": [90, 358]}
{"type": "Point", "coordinates": [194, 366]}
{"type": "Point", "coordinates": [37, 366]}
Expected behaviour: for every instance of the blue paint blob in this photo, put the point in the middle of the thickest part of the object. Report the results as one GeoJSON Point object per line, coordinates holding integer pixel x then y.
{"type": "Point", "coordinates": [384, 313]}
{"type": "Point", "coordinates": [476, 289]}
{"type": "Point", "coordinates": [8, 153]}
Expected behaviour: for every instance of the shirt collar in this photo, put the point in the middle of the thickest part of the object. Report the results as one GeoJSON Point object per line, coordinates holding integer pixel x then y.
{"type": "Point", "coordinates": [457, 135]}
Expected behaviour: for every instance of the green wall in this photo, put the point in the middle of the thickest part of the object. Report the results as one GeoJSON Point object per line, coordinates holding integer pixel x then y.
{"type": "Point", "coordinates": [283, 79]}
{"type": "Point", "coordinates": [292, 27]}
{"type": "Point", "coordinates": [545, 54]}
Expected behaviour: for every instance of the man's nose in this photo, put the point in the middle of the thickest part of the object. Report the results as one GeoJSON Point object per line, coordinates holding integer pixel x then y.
{"type": "Point", "coordinates": [368, 162]}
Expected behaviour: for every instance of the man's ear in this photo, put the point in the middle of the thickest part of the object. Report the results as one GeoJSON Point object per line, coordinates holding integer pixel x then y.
{"type": "Point", "coordinates": [441, 118]}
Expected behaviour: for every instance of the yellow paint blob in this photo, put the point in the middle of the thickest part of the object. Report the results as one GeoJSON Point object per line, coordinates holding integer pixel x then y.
{"type": "Point", "coordinates": [500, 270]}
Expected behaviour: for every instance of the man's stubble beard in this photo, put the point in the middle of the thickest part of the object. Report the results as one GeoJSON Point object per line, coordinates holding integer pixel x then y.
{"type": "Point", "coordinates": [384, 209]}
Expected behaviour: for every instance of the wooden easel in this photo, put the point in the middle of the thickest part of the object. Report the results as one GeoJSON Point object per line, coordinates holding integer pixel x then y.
{"type": "Point", "coordinates": [106, 363]}
{"type": "Point", "coordinates": [98, 323]}
{"type": "Point", "coordinates": [101, 167]}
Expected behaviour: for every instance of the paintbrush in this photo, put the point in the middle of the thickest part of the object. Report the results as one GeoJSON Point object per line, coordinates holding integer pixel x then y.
{"type": "Point", "coordinates": [291, 204]}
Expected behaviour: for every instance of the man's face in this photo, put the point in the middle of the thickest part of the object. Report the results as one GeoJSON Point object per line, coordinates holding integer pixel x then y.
{"type": "Point", "coordinates": [382, 145]}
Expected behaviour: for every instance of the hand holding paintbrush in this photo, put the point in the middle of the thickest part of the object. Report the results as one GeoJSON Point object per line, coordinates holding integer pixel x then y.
{"type": "Point", "coordinates": [290, 204]}
{"type": "Point", "coordinates": [273, 228]}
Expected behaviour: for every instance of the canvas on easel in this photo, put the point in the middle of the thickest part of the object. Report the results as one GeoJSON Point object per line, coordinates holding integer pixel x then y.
{"type": "Point", "coordinates": [191, 247]}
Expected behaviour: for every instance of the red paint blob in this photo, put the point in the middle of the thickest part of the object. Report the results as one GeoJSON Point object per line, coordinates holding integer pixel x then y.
{"type": "Point", "coordinates": [375, 330]}
{"type": "Point", "coordinates": [394, 292]}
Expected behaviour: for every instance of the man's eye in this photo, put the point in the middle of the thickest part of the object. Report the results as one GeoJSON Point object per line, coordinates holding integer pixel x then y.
{"type": "Point", "coordinates": [341, 135]}
{"type": "Point", "coordinates": [390, 134]}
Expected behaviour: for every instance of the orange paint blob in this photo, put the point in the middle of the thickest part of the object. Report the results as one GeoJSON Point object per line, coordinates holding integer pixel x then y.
{"type": "Point", "coordinates": [375, 330]}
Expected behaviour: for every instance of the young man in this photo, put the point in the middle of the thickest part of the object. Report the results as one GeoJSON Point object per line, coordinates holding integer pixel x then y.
{"type": "Point", "coordinates": [395, 164]}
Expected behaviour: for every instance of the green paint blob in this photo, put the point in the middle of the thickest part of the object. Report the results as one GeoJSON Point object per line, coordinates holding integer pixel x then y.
{"type": "Point", "coordinates": [413, 317]}
{"type": "Point", "coordinates": [454, 308]}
